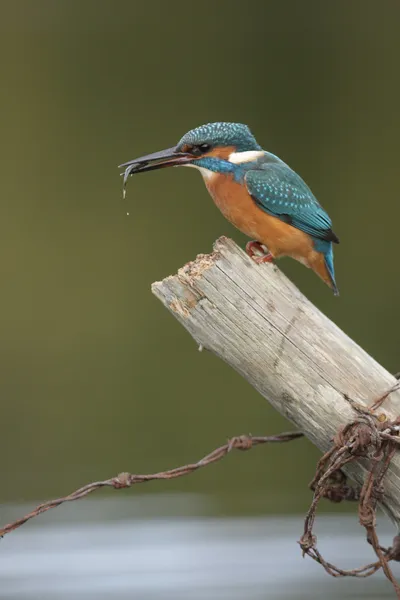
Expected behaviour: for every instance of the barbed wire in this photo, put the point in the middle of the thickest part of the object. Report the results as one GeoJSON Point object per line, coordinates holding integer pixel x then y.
{"type": "Point", "coordinates": [370, 436]}
{"type": "Point", "coordinates": [125, 480]}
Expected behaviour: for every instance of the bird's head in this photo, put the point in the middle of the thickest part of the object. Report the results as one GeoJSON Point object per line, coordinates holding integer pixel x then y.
{"type": "Point", "coordinates": [219, 140]}
{"type": "Point", "coordinates": [228, 142]}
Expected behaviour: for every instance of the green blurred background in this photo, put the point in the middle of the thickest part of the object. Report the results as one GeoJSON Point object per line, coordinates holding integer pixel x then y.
{"type": "Point", "coordinates": [96, 376]}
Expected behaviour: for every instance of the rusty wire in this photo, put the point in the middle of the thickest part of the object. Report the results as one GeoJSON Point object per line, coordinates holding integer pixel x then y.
{"type": "Point", "coordinates": [125, 480]}
{"type": "Point", "coordinates": [375, 438]}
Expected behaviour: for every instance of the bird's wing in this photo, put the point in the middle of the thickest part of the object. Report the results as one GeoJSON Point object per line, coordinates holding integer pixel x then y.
{"type": "Point", "coordinates": [280, 192]}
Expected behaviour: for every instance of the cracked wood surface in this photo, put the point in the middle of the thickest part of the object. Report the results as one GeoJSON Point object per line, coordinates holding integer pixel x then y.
{"type": "Point", "coordinates": [255, 319]}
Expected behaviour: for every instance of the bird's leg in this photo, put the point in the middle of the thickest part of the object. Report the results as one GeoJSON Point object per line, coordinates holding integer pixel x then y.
{"type": "Point", "coordinates": [259, 249]}
{"type": "Point", "coordinates": [258, 252]}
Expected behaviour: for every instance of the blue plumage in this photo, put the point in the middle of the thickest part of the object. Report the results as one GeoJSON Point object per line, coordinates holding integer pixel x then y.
{"type": "Point", "coordinates": [327, 250]}
{"type": "Point", "coordinates": [280, 192]}
{"type": "Point", "coordinates": [221, 134]}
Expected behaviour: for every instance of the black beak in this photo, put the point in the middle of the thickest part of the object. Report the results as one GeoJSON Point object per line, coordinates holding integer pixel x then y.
{"type": "Point", "coordinates": [166, 158]}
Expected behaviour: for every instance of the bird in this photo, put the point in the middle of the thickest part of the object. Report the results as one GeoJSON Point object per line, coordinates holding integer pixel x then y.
{"type": "Point", "coordinates": [256, 191]}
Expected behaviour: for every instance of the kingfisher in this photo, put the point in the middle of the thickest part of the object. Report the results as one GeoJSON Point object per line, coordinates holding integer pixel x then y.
{"type": "Point", "coordinates": [257, 192]}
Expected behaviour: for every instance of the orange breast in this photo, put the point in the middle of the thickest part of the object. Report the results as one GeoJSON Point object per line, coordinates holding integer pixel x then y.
{"type": "Point", "coordinates": [281, 239]}
{"type": "Point", "coordinates": [239, 208]}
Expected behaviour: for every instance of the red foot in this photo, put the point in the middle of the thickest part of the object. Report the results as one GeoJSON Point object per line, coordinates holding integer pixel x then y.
{"type": "Point", "coordinates": [253, 246]}
{"type": "Point", "coordinates": [268, 258]}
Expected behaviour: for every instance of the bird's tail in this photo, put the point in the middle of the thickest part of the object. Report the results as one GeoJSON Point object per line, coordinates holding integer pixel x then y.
{"type": "Point", "coordinates": [324, 266]}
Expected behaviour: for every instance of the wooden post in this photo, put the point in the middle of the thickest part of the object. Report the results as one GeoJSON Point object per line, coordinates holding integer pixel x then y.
{"type": "Point", "coordinates": [255, 319]}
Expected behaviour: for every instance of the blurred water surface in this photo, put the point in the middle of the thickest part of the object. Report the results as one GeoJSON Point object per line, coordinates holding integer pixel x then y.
{"type": "Point", "coordinates": [110, 549]}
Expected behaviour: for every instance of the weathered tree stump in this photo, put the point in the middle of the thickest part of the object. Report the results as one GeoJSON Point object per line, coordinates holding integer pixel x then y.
{"type": "Point", "coordinates": [255, 319]}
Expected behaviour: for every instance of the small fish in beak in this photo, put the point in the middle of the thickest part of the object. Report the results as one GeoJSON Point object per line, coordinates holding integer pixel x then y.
{"type": "Point", "coordinates": [171, 157]}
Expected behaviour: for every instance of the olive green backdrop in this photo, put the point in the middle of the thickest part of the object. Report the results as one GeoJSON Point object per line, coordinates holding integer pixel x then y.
{"type": "Point", "coordinates": [96, 376]}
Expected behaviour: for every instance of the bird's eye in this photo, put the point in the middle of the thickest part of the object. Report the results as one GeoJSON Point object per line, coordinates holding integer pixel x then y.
{"type": "Point", "coordinates": [196, 150]}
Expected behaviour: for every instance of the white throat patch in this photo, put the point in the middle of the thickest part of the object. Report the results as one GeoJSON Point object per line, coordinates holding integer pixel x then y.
{"type": "Point", "coordinates": [207, 174]}
{"type": "Point", "coordinates": [242, 157]}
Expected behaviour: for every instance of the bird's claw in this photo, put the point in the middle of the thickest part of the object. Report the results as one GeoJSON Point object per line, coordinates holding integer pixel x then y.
{"type": "Point", "coordinates": [258, 252]}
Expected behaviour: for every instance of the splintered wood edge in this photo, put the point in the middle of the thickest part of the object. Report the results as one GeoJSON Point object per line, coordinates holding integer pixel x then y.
{"type": "Point", "coordinates": [178, 292]}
